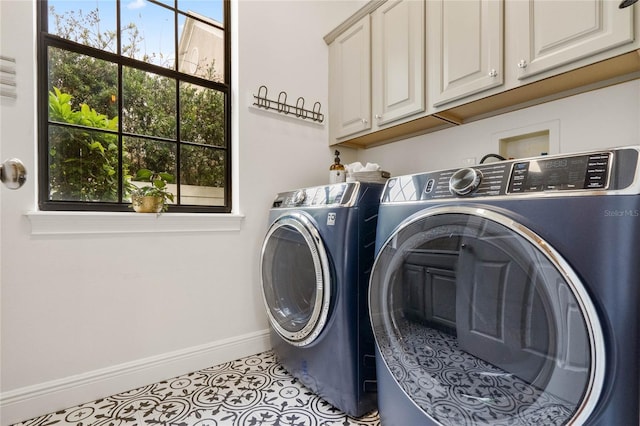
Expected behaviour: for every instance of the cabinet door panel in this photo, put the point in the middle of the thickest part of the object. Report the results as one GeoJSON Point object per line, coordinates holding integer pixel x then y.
{"type": "Point", "coordinates": [466, 49]}
{"type": "Point", "coordinates": [554, 33]}
{"type": "Point", "coordinates": [398, 60]}
{"type": "Point", "coordinates": [350, 80]}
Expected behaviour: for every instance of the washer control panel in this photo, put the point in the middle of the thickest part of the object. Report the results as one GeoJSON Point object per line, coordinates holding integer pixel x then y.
{"type": "Point", "coordinates": [584, 173]}
{"type": "Point", "coordinates": [317, 196]}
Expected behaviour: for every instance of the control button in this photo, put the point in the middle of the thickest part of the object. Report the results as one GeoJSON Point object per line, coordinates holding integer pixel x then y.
{"type": "Point", "coordinates": [299, 197]}
{"type": "Point", "coordinates": [465, 181]}
{"type": "Point", "coordinates": [429, 186]}
{"type": "Point", "coordinates": [521, 166]}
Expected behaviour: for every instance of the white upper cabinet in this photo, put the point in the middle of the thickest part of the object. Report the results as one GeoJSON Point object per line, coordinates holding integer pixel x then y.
{"type": "Point", "coordinates": [398, 64]}
{"type": "Point", "coordinates": [548, 34]}
{"type": "Point", "coordinates": [350, 80]}
{"type": "Point", "coordinates": [418, 66]}
{"type": "Point", "coordinates": [465, 48]}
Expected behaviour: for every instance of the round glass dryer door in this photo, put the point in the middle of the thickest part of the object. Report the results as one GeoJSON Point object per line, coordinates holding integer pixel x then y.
{"type": "Point", "coordinates": [480, 322]}
{"type": "Point", "coordinates": [296, 279]}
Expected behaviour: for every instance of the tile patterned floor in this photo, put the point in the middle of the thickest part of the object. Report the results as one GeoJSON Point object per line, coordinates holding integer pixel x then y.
{"type": "Point", "coordinates": [252, 391]}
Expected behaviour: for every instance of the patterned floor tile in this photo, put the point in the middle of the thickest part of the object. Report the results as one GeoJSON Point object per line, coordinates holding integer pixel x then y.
{"type": "Point", "coordinates": [252, 391]}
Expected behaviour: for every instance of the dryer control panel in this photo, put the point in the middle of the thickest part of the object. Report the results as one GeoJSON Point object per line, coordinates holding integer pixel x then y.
{"type": "Point", "coordinates": [577, 172]}
{"type": "Point", "coordinates": [327, 195]}
{"type": "Point", "coordinates": [580, 174]}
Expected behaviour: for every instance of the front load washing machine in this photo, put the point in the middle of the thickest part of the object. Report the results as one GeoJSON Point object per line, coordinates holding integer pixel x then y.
{"type": "Point", "coordinates": [509, 293]}
{"type": "Point", "coordinates": [316, 260]}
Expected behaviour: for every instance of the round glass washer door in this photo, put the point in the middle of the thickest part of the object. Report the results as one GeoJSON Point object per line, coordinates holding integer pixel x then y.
{"type": "Point", "coordinates": [296, 279]}
{"type": "Point", "coordinates": [481, 322]}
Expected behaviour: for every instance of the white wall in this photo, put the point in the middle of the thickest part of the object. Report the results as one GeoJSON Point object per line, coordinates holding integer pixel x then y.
{"type": "Point", "coordinates": [84, 316]}
{"type": "Point", "coordinates": [599, 119]}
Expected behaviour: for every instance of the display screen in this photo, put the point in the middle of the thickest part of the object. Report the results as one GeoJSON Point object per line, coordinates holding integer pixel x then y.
{"type": "Point", "coordinates": [557, 174]}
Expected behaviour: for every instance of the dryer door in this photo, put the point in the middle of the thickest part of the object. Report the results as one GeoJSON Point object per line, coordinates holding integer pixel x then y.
{"type": "Point", "coordinates": [296, 279]}
{"type": "Point", "coordinates": [480, 321]}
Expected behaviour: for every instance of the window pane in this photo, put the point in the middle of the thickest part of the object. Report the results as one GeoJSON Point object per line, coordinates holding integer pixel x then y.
{"type": "Point", "coordinates": [148, 33]}
{"type": "Point", "coordinates": [83, 165]}
{"type": "Point", "coordinates": [157, 156]}
{"type": "Point", "coordinates": [202, 176]}
{"type": "Point", "coordinates": [110, 112]}
{"type": "Point", "coordinates": [202, 115]}
{"type": "Point", "coordinates": [149, 104]}
{"type": "Point", "coordinates": [89, 23]}
{"type": "Point", "coordinates": [210, 8]}
{"type": "Point", "coordinates": [201, 47]}
{"type": "Point", "coordinates": [80, 80]}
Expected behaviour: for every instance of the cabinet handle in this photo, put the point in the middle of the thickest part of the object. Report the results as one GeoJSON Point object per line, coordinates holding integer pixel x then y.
{"type": "Point", "coordinates": [364, 121]}
{"type": "Point", "coordinates": [378, 116]}
{"type": "Point", "coordinates": [493, 73]}
{"type": "Point", "coordinates": [522, 64]}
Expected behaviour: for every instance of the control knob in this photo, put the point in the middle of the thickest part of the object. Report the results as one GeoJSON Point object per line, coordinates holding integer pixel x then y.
{"type": "Point", "coordinates": [465, 181]}
{"type": "Point", "coordinates": [299, 197]}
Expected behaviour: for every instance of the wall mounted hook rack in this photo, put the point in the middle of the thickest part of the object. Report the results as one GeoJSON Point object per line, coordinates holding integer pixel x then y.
{"type": "Point", "coordinates": [262, 101]}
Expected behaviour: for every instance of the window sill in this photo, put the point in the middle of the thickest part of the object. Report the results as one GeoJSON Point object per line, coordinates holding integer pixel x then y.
{"type": "Point", "coordinates": [73, 223]}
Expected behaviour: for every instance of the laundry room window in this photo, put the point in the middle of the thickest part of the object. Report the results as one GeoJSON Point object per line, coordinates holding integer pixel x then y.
{"type": "Point", "coordinates": [128, 85]}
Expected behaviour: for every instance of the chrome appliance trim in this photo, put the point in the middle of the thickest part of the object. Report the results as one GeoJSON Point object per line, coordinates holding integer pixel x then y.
{"type": "Point", "coordinates": [588, 310]}
{"type": "Point", "coordinates": [457, 183]}
{"type": "Point", "coordinates": [310, 332]}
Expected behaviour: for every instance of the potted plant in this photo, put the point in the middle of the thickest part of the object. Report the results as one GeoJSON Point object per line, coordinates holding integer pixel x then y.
{"type": "Point", "coordinates": [153, 198]}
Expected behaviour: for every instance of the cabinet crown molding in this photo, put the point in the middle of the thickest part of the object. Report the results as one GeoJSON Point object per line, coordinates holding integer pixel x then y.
{"type": "Point", "coordinates": [360, 13]}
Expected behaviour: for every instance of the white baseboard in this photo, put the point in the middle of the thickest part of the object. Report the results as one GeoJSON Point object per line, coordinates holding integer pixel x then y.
{"type": "Point", "coordinates": [32, 401]}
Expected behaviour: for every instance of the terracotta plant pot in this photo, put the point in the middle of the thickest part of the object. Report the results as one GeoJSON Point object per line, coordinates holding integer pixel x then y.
{"type": "Point", "coordinates": [147, 203]}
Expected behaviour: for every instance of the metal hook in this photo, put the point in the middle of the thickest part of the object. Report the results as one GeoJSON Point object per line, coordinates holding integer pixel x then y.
{"type": "Point", "coordinates": [282, 105]}
{"type": "Point", "coordinates": [317, 116]}
{"type": "Point", "coordinates": [263, 101]}
{"type": "Point", "coordinates": [300, 108]}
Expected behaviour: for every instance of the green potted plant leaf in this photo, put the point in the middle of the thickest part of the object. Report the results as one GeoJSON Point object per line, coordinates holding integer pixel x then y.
{"type": "Point", "coordinates": [152, 198]}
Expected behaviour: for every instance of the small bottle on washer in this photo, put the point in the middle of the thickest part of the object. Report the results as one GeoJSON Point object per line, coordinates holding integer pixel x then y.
{"type": "Point", "coordinates": [337, 173]}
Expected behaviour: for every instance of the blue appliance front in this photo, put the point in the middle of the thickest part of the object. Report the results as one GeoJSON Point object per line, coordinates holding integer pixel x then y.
{"type": "Point", "coordinates": [506, 306]}
{"type": "Point", "coordinates": [316, 261]}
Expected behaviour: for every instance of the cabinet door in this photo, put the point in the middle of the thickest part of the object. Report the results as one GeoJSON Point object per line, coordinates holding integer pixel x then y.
{"type": "Point", "coordinates": [465, 47]}
{"type": "Point", "coordinates": [554, 33]}
{"type": "Point", "coordinates": [350, 80]}
{"type": "Point", "coordinates": [398, 60]}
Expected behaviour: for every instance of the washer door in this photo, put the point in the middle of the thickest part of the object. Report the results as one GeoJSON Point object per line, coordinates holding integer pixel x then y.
{"type": "Point", "coordinates": [480, 321]}
{"type": "Point", "coordinates": [296, 279]}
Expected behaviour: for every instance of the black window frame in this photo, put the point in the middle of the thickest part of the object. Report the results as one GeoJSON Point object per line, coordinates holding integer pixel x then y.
{"type": "Point", "coordinates": [46, 40]}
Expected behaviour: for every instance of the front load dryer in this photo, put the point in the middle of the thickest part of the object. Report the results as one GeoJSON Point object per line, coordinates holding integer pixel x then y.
{"type": "Point", "coordinates": [316, 260]}
{"type": "Point", "coordinates": [509, 293]}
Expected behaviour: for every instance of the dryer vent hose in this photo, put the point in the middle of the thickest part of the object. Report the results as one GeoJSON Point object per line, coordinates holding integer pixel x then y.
{"type": "Point", "coordinates": [499, 157]}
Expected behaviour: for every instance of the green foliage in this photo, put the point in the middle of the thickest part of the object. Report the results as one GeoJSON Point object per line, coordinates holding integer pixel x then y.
{"type": "Point", "coordinates": [158, 187]}
{"type": "Point", "coordinates": [83, 162]}
{"type": "Point", "coordinates": [203, 123]}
